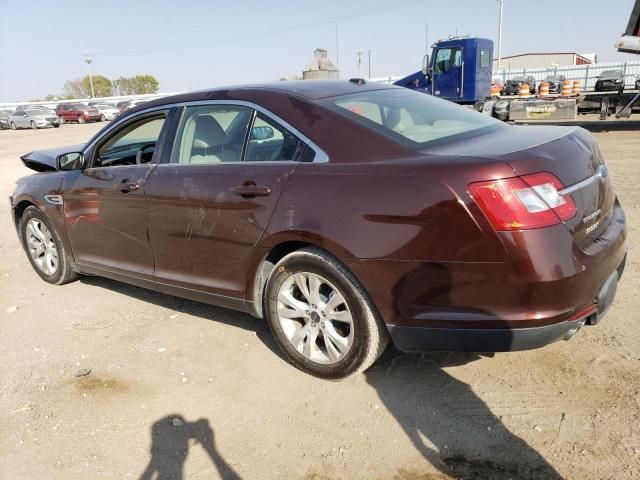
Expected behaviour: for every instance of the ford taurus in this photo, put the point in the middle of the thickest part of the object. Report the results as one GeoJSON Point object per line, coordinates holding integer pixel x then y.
{"type": "Point", "coordinates": [344, 213]}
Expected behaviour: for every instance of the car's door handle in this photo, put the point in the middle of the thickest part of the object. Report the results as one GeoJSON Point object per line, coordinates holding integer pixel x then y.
{"type": "Point", "coordinates": [249, 191]}
{"type": "Point", "coordinates": [129, 187]}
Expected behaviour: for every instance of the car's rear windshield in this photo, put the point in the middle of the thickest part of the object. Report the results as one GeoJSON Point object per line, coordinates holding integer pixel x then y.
{"type": "Point", "coordinates": [412, 118]}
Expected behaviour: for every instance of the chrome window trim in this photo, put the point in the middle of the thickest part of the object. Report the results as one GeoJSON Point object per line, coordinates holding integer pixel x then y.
{"type": "Point", "coordinates": [320, 157]}
{"type": "Point", "coordinates": [601, 175]}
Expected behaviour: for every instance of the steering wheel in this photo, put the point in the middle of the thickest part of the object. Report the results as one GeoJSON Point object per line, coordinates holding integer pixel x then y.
{"type": "Point", "coordinates": [141, 151]}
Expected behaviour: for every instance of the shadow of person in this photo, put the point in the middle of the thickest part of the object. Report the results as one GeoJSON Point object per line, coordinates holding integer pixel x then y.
{"type": "Point", "coordinates": [170, 437]}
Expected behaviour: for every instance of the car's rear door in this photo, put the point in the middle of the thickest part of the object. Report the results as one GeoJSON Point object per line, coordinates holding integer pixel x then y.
{"type": "Point", "coordinates": [209, 205]}
{"type": "Point", "coordinates": [104, 204]}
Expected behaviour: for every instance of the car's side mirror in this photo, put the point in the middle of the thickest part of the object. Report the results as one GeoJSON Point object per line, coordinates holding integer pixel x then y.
{"type": "Point", "coordinates": [70, 161]}
{"type": "Point", "coordinates": [425, 64]}
{"type": "Point", "coordinates": [262, 133]}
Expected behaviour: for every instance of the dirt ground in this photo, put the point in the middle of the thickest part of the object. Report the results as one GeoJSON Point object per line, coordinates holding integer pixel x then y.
{"type": "Point", "coordinates": [180, 389]}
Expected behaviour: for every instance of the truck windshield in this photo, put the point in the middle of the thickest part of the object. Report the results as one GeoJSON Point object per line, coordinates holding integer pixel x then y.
{"type": "Point", "coordinates": [411, 118]}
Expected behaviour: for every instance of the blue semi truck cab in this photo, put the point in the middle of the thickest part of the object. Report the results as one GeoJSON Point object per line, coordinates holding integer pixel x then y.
{"type": "Point", "coordinates": [458, 69]}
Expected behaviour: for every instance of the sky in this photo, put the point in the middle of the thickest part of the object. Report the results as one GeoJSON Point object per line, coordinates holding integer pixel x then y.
{"type": "Point", "coordinates": [195, 44]}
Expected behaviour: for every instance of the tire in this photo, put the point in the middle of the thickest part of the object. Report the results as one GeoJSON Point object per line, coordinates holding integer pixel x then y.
{"type": "Point", "coordinates": [80, 120]}
{"type": "Point", "coordinates": [61, 120]}
{"type": "Point", "coordinates": [13, 126]}
{"type": "Point", "coordinates": [33, 125]}
{"type": "Point", "coordinates": [63, 272]}
{"type": "Point", "coordinates": [56, 125]}
{"type": "Point", "coordinates": [102, 118]}
{"type": "Point", "coordinates": [361, 341]}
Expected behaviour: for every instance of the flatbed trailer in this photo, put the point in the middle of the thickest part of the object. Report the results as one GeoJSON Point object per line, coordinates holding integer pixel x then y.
{"type": "Point", "coordinates": [559, 108]}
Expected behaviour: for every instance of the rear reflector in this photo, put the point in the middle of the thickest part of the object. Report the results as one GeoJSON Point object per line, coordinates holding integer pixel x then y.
{"type": "Point", "coordinates": [519, 203]}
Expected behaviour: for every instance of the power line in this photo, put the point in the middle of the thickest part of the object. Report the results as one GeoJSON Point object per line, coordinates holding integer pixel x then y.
{"type": "Point", "coordinates": [303, 26]}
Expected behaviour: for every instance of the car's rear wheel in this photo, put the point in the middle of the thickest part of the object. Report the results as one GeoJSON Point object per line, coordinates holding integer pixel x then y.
{"type": "Point", "coordinates": [102, 118]}
{"type": "Point", "coordinates": [44, 248]}
{"type": "Point", "coordinates": [61, 120]}
{"type": "Point", "coordinates": [80, 119]}
{"type": "Point", "coordinates": [13, 126]}
{"type": "Point", "coordinates": [33, 125]}
{"type": "Point", "coordinates": [321, 317]}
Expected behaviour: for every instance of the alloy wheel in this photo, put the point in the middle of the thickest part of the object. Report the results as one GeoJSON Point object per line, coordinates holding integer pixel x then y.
{"type": "Point", "coordinates": [315, 318]}
{"type": "Point", "coordinates": [42, 247]}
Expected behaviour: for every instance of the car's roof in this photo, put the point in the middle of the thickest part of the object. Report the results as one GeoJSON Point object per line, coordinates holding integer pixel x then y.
{"type": "Point", "coordinates": [308, 89]}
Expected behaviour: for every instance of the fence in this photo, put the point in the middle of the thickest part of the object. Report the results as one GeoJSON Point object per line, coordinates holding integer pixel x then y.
{"type": "Point", "coordinates": [587, 74]}
{"type": "Point", "coordinates": [53, 103]}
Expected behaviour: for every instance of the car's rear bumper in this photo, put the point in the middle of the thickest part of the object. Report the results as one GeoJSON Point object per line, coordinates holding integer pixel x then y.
{"type": "Point", "coordinates": [422, 339]}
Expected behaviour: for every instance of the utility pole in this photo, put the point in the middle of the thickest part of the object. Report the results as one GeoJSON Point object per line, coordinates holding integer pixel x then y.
{"type": "Point", "coordinates": [500, 36]}
{"type": "Point", "coordinates": [88, 59]}
{"type": "Point", "coordinates": [359, 54]}
{"type": "Point", "coordinates": [337, 52]}
{"type": "Point", "coordinates": [369, 63]}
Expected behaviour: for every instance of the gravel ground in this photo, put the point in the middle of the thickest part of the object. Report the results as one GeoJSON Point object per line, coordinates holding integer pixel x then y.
{"type": "Point", "coordinates": [180, 389]}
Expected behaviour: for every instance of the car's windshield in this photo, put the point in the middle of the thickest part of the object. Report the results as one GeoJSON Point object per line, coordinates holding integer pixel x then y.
{"type": "Point", "coordinates": [102, 106]}
{"type": "Point", "coordinates": [411, 118]}
{"type": "Point", "coordinates": [611, 73]}
{"type": "Point", "coordinates": [37, 112]}
{"type": "Point", "coordinates": [552, 78]}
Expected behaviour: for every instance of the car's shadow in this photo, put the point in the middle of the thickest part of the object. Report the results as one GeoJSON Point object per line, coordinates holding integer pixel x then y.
{"type": "Point", "coordinates": [190, 307]}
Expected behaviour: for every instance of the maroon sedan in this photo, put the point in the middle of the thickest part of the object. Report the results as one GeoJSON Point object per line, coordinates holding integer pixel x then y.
{"type": "Point", "coordinates": [344, 213]}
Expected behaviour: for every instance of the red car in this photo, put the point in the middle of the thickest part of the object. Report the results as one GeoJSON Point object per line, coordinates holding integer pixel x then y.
{"type": "Point", "coordinates": [77, 112]}
{"type": "Point", "coordinates": [344, 213]}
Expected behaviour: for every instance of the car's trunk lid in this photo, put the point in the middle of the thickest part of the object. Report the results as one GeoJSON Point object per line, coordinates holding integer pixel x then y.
{"type": "Point", "coordinates": [569, 153]}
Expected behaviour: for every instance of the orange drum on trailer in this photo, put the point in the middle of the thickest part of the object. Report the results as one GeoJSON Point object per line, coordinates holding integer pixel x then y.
{"type": "Point", "coordinates": [576, 87]}
{"type": "Point", "coordinates": [543, 89]}
{"type": "Point", "coordinates": [566, 88]}
{"type": "Point", "coordinates": [524, 90]}
{"type": "Point", "coordinates": [495, 90]}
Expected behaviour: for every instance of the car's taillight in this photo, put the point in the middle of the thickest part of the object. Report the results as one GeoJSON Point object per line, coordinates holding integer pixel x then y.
{"type": "Point", "coordinates": [519, 203]}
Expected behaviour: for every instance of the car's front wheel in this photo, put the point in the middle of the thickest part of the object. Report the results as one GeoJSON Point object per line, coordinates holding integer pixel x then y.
{"type": "Point", "coordinates": [44, 248]}
{"type": "Point", "coordinates": [33, 125]}
{"type": "Point", "coordinates": [81, 120]}
{"type": "Point", "coordinates": [321, 317]}
{"type": "Point", "coordinates": [13, 126]}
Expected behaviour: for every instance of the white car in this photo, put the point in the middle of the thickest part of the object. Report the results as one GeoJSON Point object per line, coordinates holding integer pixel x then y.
{"type": "Point", "coordinates": [107, 112]}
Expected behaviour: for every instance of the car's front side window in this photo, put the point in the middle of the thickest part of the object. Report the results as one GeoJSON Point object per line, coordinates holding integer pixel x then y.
{"type": "Point", "coordinates": [133, 144]}
{"type": "Point", "coordinates": [210, 134]}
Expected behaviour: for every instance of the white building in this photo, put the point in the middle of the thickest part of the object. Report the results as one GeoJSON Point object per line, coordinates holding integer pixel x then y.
{"type": "Point", "coordinates": [536, 60]}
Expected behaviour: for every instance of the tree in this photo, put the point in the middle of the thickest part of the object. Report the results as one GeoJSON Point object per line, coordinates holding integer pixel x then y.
{"type": "Point", "coordinates": [81, 88]}
{"type": "Point", "coordinates": [137, 85]}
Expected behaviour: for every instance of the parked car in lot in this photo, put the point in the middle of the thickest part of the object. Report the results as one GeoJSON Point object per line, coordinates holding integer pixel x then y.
{"type": "Point", "coordinates": [107, 112]}
{"type": "Point", "coordinates": [555, 83]}
{"type": "Point", "coordinates": [512, 86]}
{"type": "Point", "coordinates": [344, 213]}
{"type": "Point", "coordinates": [610, 80]}
{"type": "Point", "coordinates": [33, 119]}
{"type": "Point", "coordinates": [4, 118]}
{"type": "Point", "coordinates": [77, 112]}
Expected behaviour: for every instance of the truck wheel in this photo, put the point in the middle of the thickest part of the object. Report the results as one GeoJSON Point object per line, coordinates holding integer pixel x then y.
{"type": "Point", "coordinates": [321, 317]}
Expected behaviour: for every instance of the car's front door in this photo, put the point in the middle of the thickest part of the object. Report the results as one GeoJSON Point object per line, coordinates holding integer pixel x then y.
{"type": "Point", "coordinates": [104, 204]}
{"type": "Point", "coordinates": [447, 73]}
{"type": "Point", "coordinates": [211, 203]}
{"type": "Point", "coordinates": [22, 121]}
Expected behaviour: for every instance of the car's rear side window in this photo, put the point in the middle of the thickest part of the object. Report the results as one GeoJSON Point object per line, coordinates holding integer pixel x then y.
{"type": "Point", "coordinates": [412, 118]}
